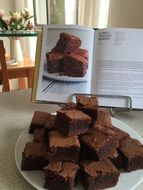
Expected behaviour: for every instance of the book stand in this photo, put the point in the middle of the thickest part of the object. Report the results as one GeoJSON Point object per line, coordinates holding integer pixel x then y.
{"type": "Point", "coordinates": [112, 109]}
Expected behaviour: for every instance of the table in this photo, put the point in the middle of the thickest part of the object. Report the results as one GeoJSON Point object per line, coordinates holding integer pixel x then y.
{"type": "Point", "coordinates": [21, 70]}
{"type": "Point", "coordinates": [16, 112]}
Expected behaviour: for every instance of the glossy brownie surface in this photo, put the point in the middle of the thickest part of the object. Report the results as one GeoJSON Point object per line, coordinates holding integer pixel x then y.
{"type": "Point", "coordinates": [99, 175]}
{"type": "Point", "coordinates": [39, 135]}
{"type": "Point", "coordinates": [39, 120]}
{"type": "Point", "coordinates": [132, 154]}
{"type": "Point", "coordinates": [67, 43]}
{"type": "Point", "coordinates": [34, 156]}
{"type": "Point", "coordinates": [63, 148]}
{"type": "Point", "coordinates": [75, 65]}
{"type": "Point", "coordinates": [54, 62]}
{"type": "Point", "coordinates": [97, 144]}
{"type": "Point", "coordinates": [61, 175]}
{"type": "Point", "coordinates": [75, 122]}
{"type": "Point", "coordinates": [56, 139]}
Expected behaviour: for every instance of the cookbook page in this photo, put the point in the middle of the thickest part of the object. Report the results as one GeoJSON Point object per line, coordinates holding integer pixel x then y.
{"type": "Point", "coordinates": [65, 62]}
{"type": "Point", "coordinates": [118, 67]}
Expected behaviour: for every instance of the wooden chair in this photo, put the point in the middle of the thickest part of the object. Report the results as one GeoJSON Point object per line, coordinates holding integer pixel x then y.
{"type": "Point", "coordinates": [5, 80]}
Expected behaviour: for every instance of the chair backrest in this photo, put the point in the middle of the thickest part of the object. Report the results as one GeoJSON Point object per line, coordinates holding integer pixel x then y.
{"type": "Point", "coordinates": [5, 81]}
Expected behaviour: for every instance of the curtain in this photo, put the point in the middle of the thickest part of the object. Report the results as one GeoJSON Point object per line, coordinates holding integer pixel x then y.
{"type": "Point", "coordinates": [28, 44]}
{"type": "Point", "coordinates": [40, 9]}
{"type": "Point", "coordinates": [88, 12]}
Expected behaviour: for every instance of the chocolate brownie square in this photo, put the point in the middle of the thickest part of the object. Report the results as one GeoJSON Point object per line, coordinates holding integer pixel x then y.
{"type": "Point", "coordinates": [97, 144]}
{"type": "Point", "coordinates": [103, 129]}
{"type": "Point", "coordinates": [107, 131]}
{"type": "Point", "coordinates": [112, 130]}
{"type": "Point", "coordinates": [120, 134]}
{"type": "Point", "coordinates": [116, 158]}
{"type": "Point", "coordinates": [88, 105]}
{"type": "Point", "coordinates": [54, 62]}
{"type": "Point", "coordinates": [104, 118]}
{"type": "Point", "coordinates": [40, 135]}
{"type": "Point", "coordinates": [72, 122]}
{"type": "Point", "coordinates": [81, 52]}
{"type": "Point", "coordinates": [75, 65]}
{"type": "Point", "coordinates": [61, 175]}
{"type": "Point", "coordinates": [63, 148]}
{"type": "Point", "coordinates": [67, 43]}
{"type": "Point", "coordinates": [39, 120]}
{"type": "Point", "coordinates": [34, 156]}
{"type": "Point", "coordinates": [97, 175]}
{"type": "Point", "coordinates": [131, 151]}
{"type": "Point", "coordinates": [50, 124]}
{"type": "Point", "coordinates": [69, 106]}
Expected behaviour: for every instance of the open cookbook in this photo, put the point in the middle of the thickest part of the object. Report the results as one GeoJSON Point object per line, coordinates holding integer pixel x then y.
{"type": "Point", "coordinates": [79, 60]}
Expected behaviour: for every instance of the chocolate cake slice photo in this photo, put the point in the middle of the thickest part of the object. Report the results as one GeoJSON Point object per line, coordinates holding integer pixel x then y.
{"type": "Point", "coordinates": [67, 57]}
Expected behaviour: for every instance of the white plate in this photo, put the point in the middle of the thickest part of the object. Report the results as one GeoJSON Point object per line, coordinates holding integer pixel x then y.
{"type": "Point", "coordinates": [57, 76]}
{"type": "Point", "coordinates": [127, 181]}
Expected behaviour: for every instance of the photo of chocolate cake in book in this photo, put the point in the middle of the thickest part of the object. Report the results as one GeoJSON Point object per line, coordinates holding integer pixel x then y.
{"type": "Point", "coordinates": [67, 57]}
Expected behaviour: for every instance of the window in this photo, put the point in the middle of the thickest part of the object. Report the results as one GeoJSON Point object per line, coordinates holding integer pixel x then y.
{"type": "Point", "coordinates": [55, 11]}
{"type": "Point", "coordinates": [93, 13]}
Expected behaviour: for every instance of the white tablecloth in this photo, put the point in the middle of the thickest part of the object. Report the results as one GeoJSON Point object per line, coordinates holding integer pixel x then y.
{"type": "Point", "coordinates": [16, 112]}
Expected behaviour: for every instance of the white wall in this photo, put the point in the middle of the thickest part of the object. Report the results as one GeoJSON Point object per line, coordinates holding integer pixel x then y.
{"type": "Point", "coordinates": [6, 5]}
{"type": "Point", "coordinates": [125, 13]}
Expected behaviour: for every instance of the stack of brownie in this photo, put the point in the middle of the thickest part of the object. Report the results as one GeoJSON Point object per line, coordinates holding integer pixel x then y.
{"type": "Point", "coordinates": [67, 58]}
{"type": "Point", "coordinates": [80, 143]}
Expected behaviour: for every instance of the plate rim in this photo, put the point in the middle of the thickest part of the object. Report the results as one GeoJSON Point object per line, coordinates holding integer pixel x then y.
{"type": "Point", "coordinates": [18, 166]}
